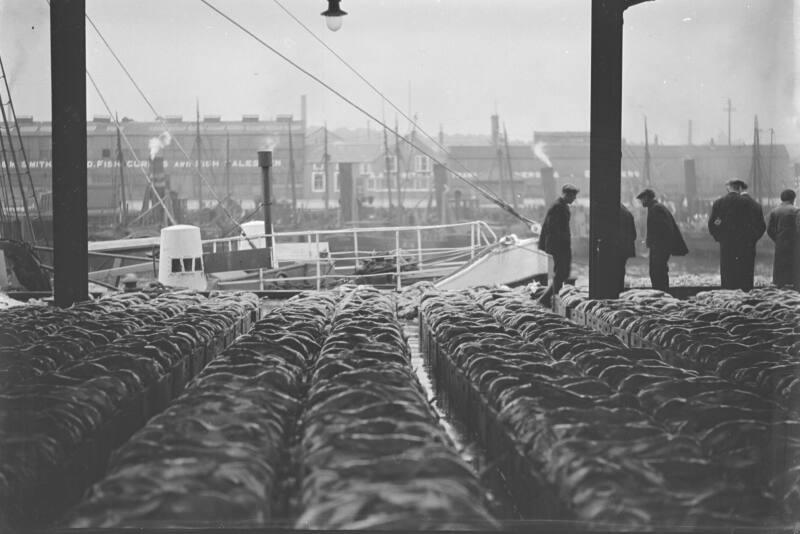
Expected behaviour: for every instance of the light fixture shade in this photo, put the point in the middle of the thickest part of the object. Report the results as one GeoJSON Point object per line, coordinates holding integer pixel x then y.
{"type": "Point", "coordinates": [333, 23]}
{"type": "Point", "coordinates": [333, 15]}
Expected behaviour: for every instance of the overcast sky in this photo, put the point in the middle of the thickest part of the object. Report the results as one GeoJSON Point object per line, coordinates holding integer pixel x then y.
{"type": "Point", "coordinates": [452, 61]}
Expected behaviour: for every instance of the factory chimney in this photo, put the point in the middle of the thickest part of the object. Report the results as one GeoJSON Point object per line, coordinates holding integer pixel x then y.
{"type": "Point", "coordinates": [156, 166]}
{"type": "Point", "coordinates": [690, 178]}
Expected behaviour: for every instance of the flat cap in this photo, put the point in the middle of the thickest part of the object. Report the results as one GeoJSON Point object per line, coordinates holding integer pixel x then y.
{"type": "Point", "coordinates": [569, 188]}
{"type": "Point", "coordinates": [740, 184]}
{"type": "Point", "coordinates": [647, 193]}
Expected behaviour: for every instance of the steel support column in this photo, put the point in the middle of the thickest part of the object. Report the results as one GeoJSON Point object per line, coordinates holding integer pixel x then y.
{"type": "Point", "coordinates": [606, 143]}
{"type": "Point", "coordinates": [68, 80]}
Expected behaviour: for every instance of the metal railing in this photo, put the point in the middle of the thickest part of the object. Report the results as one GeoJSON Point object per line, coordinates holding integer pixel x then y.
{"type": "Point", "coordinates": [406, 244]}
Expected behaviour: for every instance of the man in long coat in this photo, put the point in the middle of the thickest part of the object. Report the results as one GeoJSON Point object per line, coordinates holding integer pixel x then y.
{"type": "Point", "coordinates": [782, 228]}
{"type": "Point", "coordinates": [626, 244]}
{"type": "Point", "coordinates": [555, 239]}
{"type": "Point", "coordinates": [737, 223]}
{"type": "Point", "coordinates": [664, 239]}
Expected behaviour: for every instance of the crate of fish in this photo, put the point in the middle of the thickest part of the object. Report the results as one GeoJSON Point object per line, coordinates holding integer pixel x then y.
{"type": "Point", "coordinates": [218, 454]}
{"type": "Point", "coordinates": [369, 435]}
{"type": "Point", "coordinates": [594, 373]}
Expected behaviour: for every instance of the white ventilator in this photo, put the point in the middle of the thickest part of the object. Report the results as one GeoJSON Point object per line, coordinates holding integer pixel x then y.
{"type": "Point", "coordinates": [181, 260]}
{"type": "Point", "coordinates": [253, 228]}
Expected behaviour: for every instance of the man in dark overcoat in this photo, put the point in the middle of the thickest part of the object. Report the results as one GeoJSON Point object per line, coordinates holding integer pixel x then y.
{"type": "Point", "coordinates": [782, 229]}
{"type": "Point", "coordinates": [626, 244]}
{"type": "Point", "coordinates": [736, 223]}
{"type": "Point", "coordinates": [555, 239]}
{"type": "Point", "coordinates": [664, 239]}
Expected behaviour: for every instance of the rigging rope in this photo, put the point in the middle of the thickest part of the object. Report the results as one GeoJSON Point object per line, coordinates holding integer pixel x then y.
{"type": "Point", "coordinates": [13, 113]}
{"type": "Point", "coordinates": [484, 191]}
{"type": "Point", "coordinates": [16, 171]}
{"type": "Point", "coordinates": [164, 125]}
{"type": "Point", "coordinates": [130, 147]}
{"type": "Point", "coordinates": [10, 181]}
{"type": "Point", "coordinates": [411, 121]}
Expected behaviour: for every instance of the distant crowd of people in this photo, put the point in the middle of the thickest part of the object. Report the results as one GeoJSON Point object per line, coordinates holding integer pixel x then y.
{"type": "Point", "coordinates": [736, 222]}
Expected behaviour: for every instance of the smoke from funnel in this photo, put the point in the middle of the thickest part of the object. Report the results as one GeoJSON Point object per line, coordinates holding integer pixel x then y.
{"type": "Point", "coordinates": [157, 144]}
{"type": "Point", "coordinates": [269, 143]}
{"type": "Point", "coordinates": [538, 149]}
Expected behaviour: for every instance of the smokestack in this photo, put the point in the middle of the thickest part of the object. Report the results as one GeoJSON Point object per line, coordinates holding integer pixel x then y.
{"type": "Point", "coordinates": [157, 166]}
{"type": "Point", "coordinates": [690, 177]}
{"type": "Point", "coordinates": [303, 109]}
{"type": "Point", "coordinates": [495, 130]}
{"type": "Point", "coordinates": [441, 135]}
{"type": "Point", "coordinates": [690, 132]}
{"type": "Point", "coordinates": [548, 185]}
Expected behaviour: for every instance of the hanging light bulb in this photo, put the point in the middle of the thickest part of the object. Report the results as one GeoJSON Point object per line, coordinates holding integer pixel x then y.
{"type": "Point", "coordinates": [333, 15]}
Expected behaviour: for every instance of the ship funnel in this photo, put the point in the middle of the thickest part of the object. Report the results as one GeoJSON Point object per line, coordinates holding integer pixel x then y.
{"type": "Point", "coordinates": [181, 260]}
{"type": "Point", "coordinates": [250, 229]}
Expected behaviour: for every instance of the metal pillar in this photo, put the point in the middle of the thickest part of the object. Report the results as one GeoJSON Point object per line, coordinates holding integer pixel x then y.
{"type": "Point", "coordinates": [265, 162]}
{"type": "Point", "coordinates": [348, 193]}
{"type": "Point", "coordinates": [68, 81]}
{"type": "Point", "coordinates": [606, 143]}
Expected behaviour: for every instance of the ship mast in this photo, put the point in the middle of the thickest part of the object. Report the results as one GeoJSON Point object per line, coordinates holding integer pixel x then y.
{"type": "Point", "coordinates": [510, 170]}
{"type": "Point", "coordinates": [387, 163]}
{"type": "Point", "coordinates": [123, 206]}
{"type": "Point", "coordinates": [198, 183]}
{"type": "Point", "coordinates": [326, 162]}
{"type": "Point", "coordinates": [291, 174]}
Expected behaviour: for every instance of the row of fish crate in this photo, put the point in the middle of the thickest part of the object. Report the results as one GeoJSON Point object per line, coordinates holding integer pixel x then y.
{"type": "Point", "coordinates": [533, 497]}
{"type": "Point", "coordinates": [631, 339]}
{"type": "Point", "coordinates": [598, 324]}
{"type": "Point", "coordinates": [35, 505]}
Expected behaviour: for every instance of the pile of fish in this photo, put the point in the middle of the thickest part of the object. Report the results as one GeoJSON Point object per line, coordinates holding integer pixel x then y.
{"type": "Point", "coordinates": [691, 280]}
{"type": "Point", "coordinates": [216, 455]}
{"type": "Point", "coordinates": [623, 437]}
{"type": "Point", "coordinates": [408, 299]}
{"type": "Point", "coordinates": [765, 303]}
{"type": "Point", "coordinates": [38, 340]}
{"type": "Point", "coordinates": [751, 340]}
{"type": "Point", "coordinates": [99, 396]}
{"type": "Point", "coordinates": [372, 454]}
{"type": "Point", "coordinates": [751, 438]}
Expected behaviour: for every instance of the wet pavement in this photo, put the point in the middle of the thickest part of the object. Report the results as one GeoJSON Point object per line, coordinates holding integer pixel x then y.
{"type": "Point", "coordinates": [498, 500]}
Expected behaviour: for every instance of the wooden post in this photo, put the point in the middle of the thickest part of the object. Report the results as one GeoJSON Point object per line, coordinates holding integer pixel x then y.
{"type": "Point", "coordinates": [68, 81]}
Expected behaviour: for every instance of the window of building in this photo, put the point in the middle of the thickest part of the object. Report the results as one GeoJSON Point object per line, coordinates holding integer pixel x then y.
{"type": "Point", "coordinates": [422, 163]}
{"type": "Point", "coordinates": [318, 182]}
{"type": "Point", "coordinates": [176, 265]}
{"type": "Point", "coordinates": [198, 264]}
{"type": "Point", "coordinates": [365, 168]}
{"type": "Point", "coordinates": [187, 265]}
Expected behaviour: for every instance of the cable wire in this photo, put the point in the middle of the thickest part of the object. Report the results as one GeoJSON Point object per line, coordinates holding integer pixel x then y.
{"type": "Point", "coordinates": [163, 124]}
{"type": "Point", "coordinates": [488, 194]}
{"type": "Point", "coordinates": [130, 147]}
{"type": "Point", "coordinates": [412, 121]}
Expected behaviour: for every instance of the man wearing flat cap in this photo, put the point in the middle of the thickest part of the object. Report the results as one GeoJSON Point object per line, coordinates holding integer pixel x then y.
{"type": "Point", "coordinates": [556, 240]}
{"type": "Point", "coordinates": [664, 239]}
{"type": "Point", "coordinates": [736, 223]}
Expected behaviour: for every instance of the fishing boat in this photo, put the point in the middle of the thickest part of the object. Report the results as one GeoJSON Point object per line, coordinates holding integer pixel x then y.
{"type": "Point", "coordinates": [320, 259]}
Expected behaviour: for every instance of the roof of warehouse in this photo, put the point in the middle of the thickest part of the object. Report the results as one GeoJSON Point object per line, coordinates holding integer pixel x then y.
{"type": "Point", "coordinates": [156, 127]}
